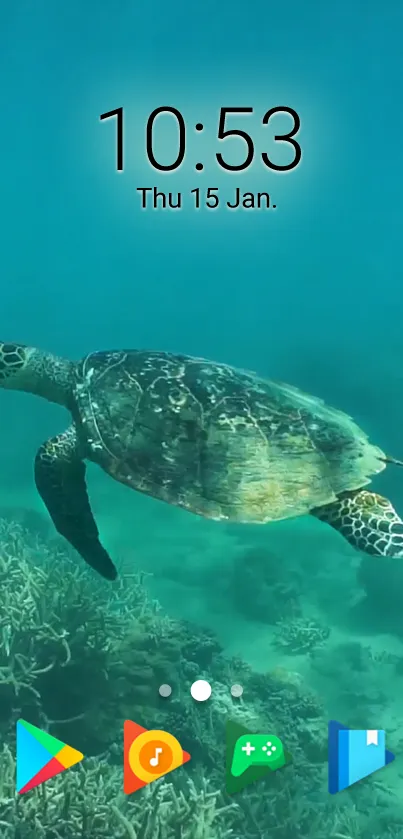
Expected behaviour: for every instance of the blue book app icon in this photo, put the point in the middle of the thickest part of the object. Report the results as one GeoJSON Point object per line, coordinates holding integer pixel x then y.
{"type": "Point", "coordinates": [354, 754]}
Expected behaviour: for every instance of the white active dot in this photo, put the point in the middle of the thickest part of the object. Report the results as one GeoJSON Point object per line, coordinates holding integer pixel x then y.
{"type": "Point", "coordinates": [200, 690]}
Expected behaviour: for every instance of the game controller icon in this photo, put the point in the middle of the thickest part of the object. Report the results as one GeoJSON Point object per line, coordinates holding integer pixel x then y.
{"type": "Point", "coordinates": [257, 750]}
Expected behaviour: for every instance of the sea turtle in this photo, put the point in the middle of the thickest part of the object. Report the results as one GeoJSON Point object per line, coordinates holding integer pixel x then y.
{"type": "Point", "coordinates": [215, 440]}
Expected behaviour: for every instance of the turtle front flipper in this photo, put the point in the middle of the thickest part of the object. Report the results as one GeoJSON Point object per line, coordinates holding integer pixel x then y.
{"type": "Point", "coordinates": [367, 520]}
{"type": "Point", "coordinates": [60, 480]}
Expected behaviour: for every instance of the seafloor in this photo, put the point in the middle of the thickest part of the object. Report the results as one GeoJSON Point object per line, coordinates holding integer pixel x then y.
{"type": "Point", "coordinates": [311, 629]}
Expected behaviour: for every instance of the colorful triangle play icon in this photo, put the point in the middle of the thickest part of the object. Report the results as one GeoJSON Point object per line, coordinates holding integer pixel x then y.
{"type": "Point", "coordinates": [40, 756]}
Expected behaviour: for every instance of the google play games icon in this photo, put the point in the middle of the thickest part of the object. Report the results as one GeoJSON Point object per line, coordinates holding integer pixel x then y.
{"type": "Point", "coordinates": [40, 756]}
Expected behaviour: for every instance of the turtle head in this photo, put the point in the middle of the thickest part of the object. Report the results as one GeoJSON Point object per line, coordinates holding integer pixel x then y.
{"type": "Point", "coordinates": [26, 368]}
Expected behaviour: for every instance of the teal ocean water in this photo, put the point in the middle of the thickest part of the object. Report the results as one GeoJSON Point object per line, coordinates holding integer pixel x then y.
{"type": "Point", "coordinates": [308, 293]}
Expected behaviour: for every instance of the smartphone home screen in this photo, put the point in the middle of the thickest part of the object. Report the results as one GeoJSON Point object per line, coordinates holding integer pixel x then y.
{"type": "Point", "coordinates": [201, 543]}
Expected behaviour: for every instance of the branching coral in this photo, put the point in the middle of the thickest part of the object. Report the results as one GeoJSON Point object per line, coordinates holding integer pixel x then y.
{"type": "Point", "coordinates": [300, 635]}
{"type": "Point", "coordinates": [63, 640]}
{"type": "Point", "coordinates": [87, 803]}
{"type": "Point", "coordinates": [78, 657]}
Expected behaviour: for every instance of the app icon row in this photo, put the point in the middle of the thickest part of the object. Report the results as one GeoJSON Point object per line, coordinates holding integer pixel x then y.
{"type": "Point", "coordinates": [151, 754]}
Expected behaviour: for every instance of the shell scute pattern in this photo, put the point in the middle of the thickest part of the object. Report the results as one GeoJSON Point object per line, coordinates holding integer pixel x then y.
{"type": "Point", "coordinates": [216, 440]}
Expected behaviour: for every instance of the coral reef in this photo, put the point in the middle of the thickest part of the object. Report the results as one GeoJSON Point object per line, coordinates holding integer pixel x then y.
{"type": "Point", "coordinates": [56, 636]}
{"type": "Point", "coordinates": [88, 803]}
{"type": "Point", "coordinates": [78, 657]}
{"type": "Point", "coordinates": [300, 636]}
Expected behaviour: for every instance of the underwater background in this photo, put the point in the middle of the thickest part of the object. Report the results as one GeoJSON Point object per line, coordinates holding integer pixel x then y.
{"type": "Point", "coordinates": [309, 293]}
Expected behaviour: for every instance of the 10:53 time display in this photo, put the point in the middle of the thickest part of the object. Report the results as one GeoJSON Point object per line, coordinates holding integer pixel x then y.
{"type": "Point", "coordinates": [223, 133]}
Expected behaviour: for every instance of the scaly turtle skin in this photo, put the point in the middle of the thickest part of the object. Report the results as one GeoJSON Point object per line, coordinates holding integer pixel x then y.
{"type": "Point", "coordinates": [214, 440]}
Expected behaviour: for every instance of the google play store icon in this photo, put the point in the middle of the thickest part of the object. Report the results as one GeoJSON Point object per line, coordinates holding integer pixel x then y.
{"type": "Point", "coordinates": [40, 756]}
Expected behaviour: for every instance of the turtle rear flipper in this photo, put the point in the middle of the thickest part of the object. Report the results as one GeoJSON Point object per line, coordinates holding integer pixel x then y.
{"type": "Point", "coordinates": [367, 520]}
{"type": "Point", "coordinates": [60, 480]}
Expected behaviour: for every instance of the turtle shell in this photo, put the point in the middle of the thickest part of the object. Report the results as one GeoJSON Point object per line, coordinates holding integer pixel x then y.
{"type": "Point", "coordinates": [216, 440]}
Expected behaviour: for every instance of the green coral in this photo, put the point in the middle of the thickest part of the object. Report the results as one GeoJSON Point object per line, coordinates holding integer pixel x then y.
{"type": "Point", "coordinates": [88, 803]}
{"type": "Point", "coordinates": [78, 657]}
{"type": "Point", "coordinates": [300, 636]}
